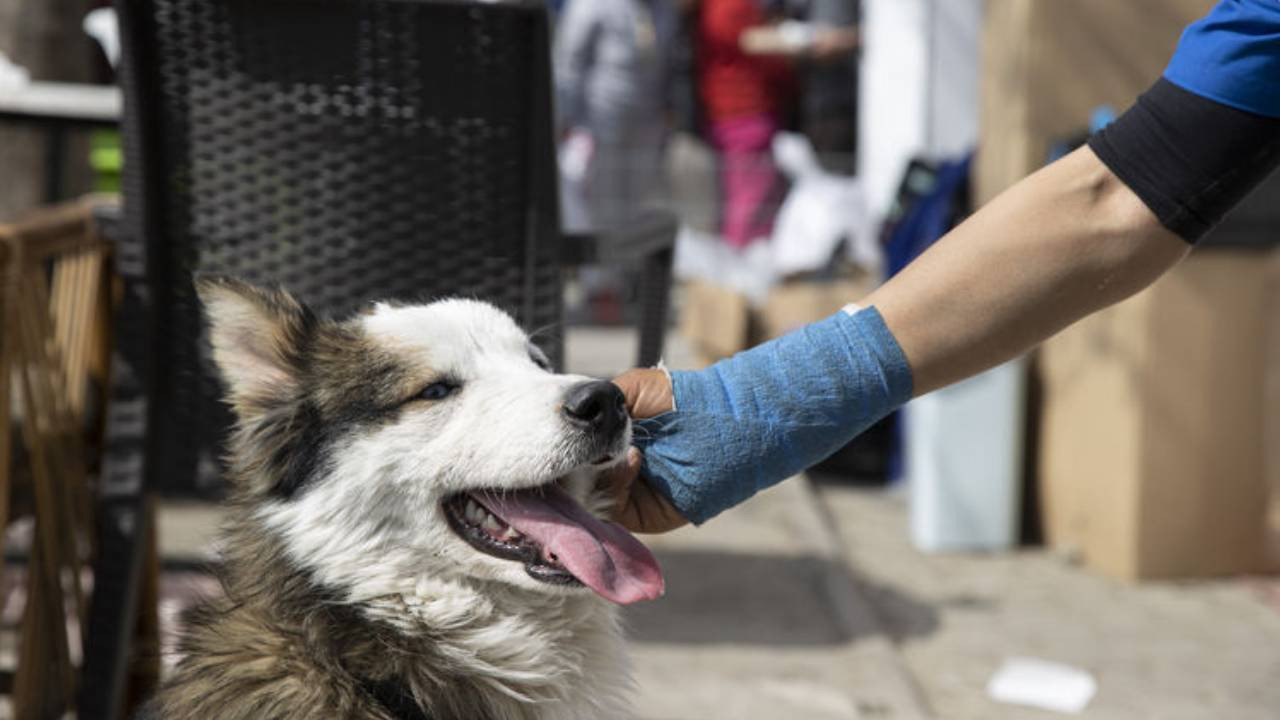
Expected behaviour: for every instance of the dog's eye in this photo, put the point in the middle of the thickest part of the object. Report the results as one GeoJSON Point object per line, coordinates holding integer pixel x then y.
{"type": "Point", "coordinates": [539, 359]}
{"type": "Point", "coordinates": [437, 391]}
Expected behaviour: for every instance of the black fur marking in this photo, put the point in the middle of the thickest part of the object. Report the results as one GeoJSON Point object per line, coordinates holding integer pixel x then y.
{"type": "Point", "coordinates": [297, 458]}
{"type": "Point", "coordinates": [309, 432]}
{"type": "Point", "coordinates": [396, 698]}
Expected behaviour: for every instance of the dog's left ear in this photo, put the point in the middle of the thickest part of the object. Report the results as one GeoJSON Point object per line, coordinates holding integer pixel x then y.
{"type": "Point", "coordinates": [257, 336]}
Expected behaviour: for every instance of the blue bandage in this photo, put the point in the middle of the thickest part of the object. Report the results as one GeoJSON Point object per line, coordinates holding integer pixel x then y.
{"type": "Point", "coordinates": [765, 414]}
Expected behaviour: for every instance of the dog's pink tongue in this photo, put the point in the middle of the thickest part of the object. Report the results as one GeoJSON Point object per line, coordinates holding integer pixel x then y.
{"type": "Point", "coordinates": [601, 554]}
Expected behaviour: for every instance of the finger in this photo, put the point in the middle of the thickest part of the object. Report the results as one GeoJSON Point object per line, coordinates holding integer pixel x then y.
{"type": "Point", "coordinates": [647, 390]}
{"type": "Point", "coordinates": [617, 482]}
{"type": "Point", "coordinates": [648, 511]}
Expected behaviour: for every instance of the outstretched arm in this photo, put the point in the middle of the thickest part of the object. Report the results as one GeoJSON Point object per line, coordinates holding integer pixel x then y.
{"type": "Point", "coordinates": [1080, 234]}
{"type": "Point", "coordinates": [1060, 244]}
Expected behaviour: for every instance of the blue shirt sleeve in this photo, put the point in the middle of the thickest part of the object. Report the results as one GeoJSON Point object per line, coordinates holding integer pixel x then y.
{"type": "Point", "coordinates": [1232, 56]}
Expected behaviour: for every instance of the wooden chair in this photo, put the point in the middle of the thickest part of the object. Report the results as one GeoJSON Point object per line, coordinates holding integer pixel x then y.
{"type": "Point", "coordinates": [55, 299]}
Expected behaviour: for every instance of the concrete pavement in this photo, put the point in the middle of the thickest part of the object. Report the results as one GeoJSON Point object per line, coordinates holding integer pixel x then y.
{"type": "Point", "coordinates": [1171, 650]}
{"type": "Point", "coordinates": [763, 620]}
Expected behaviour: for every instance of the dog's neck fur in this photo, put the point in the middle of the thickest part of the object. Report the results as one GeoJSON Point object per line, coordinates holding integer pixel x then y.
{"type": "Point", "coordinates": [279, 646]}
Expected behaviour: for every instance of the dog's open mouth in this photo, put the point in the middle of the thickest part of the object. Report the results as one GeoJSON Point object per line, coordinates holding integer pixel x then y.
{"type": "Point", "coordinates": [557, 540]}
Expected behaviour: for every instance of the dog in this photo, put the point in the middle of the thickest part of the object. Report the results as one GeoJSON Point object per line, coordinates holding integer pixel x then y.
{"type": "Point", "coordinates": [415, 531]}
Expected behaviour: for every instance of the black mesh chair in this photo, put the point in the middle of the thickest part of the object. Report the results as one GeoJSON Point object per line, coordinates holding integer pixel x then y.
{"type": "Point", "coordinates": [350, 150]}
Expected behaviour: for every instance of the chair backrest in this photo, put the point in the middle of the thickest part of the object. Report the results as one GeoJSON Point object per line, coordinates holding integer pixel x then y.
{"type": "Point", "coordinates": [350, 150]}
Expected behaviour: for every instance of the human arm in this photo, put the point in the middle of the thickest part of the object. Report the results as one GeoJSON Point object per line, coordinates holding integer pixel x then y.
{"type": "Point", "coordinates": [799, 40]}
{"type": "Point", "coordinates": [1108, 219]}
{"type": "Point", "coordinates": [1058, 245]}
{"type": "Point", "coordinates": [1076, 236]}
{"type": "Point", "coordinates": [830, 43]}
{"type": "Point", "coordinates": [1065, 241]}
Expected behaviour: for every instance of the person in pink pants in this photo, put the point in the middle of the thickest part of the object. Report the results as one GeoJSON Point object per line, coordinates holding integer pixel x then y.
{"type": "Point", "coordinates": [741, 96]}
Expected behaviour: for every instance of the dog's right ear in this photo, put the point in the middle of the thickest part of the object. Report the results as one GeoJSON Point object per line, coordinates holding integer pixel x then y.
{"type": "Point", "coordinates": [257, 336]}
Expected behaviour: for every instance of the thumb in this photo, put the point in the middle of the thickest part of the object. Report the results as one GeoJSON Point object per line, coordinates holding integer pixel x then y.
{"type": "Point", "coordinates": [617, 483]}
{"type": "Point", "coordinates": [637, 506]}
{"type": "Point", "coordinates": [648, 391]}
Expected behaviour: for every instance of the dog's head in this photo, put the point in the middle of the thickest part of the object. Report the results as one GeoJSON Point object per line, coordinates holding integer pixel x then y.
{"type": "Point", "coordinates": [421, 443]}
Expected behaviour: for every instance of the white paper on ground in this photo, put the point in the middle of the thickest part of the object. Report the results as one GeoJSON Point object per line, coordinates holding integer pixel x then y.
{"type": "Point", "coordinates": [1042, 684]}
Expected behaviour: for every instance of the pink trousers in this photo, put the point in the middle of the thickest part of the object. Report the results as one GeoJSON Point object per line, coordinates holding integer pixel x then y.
{"type": "Point", "coordinates": [748, 179]}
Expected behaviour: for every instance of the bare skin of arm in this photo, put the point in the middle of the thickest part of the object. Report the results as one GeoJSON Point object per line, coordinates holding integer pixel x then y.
{"type": "Point", "coordinates": [1060, 244]}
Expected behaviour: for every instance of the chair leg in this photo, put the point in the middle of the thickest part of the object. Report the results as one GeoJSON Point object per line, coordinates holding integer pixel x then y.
{"type": "Point", "coordinates": [42, 683]}
{"type": "Point", "coordinates": [655, 299]}
{"type": "Point", "coordinates": [121, 521]}
{"type": "Point", "coordinates": [144, 675]}
{"type": "Point", "coordinates": [122, 525]}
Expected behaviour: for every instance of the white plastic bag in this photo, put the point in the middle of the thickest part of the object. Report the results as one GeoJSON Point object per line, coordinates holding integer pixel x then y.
{"type": "Point", "coordinates": [820, 210]}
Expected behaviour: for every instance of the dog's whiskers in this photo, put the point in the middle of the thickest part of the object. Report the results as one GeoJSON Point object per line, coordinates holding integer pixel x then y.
{"type": "Point", "coordinates": [545, 329]}
{"type": "Point", "coordinates": [641, 433]}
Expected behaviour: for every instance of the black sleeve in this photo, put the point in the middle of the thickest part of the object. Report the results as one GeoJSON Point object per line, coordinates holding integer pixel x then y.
{"type": "Point", "coordinates": [1190, 159]}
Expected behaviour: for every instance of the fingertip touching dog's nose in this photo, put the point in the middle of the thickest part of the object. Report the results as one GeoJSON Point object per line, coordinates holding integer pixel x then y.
{"type": "Point", "coordinates": [596, 405]}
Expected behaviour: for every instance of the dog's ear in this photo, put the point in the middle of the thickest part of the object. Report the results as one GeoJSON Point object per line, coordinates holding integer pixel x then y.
{"type": "Point", "coordinates": [257, 336]}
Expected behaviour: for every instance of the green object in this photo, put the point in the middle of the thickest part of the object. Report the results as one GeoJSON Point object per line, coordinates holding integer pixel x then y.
{"type": "Point", "coordinates": [106, 160]}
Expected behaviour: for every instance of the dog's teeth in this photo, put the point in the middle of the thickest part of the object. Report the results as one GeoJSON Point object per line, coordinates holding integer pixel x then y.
{"type": "Point", "coordinates": [473, 512]}
{"type": "Point", "coordinates": [491, 523]}
{"type": "Point", "coordinates": [511, 534]}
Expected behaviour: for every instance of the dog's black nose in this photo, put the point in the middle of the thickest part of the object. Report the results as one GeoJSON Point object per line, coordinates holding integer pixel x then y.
{"type": "Point", "coordinates": [597, 405]}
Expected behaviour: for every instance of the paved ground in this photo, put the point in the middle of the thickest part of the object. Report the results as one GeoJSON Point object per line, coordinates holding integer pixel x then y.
{"type": "Point", "coordinates": [1171, 651]}
{"type": "Point", "coordinates": [810, 603]}
{"type": "Point", "coordinates": [763, 619]}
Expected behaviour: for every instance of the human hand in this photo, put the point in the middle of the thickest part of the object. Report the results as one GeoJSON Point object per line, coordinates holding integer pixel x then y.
{"type": "Point", "coordinates": [831, 43]}
{"type": "Point", "coordinates": [648, 392]}
{"type": "Point", "coordinates": [637, 505]}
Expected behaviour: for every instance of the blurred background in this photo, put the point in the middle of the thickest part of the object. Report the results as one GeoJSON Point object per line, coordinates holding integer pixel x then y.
{"type": "Point", "coordinates": [1089, 530]}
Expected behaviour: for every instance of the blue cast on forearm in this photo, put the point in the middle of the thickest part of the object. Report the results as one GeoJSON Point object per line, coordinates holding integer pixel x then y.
{"type": "Point", "coordinates": [752, 420]}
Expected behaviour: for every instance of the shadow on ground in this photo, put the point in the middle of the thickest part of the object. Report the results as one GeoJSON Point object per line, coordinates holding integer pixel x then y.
{"type": "Point", "coordinates": [779, 600]}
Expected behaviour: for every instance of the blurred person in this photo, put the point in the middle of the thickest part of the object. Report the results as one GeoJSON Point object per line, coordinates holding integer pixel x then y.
{"type": "Point", "coordinates": [742, 95]}
{"type": "Point", "coordinates": [613, 62]}
{"type": "Point", "coordinates": [822, 38]}
{"type": "Point", "coordinates": [1078, 235]}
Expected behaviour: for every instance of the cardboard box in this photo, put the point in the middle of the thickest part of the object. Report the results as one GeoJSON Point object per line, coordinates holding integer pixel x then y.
{"type": "Point", "coordinates": [1046, 64]}
{"type": "Point", "coordinates": [1154, 459]}
{"type": "Point", "coordinates": [715, 320]}
{"type": "Point", "coordinates": [794, 304]}
{"type": "Point", "coordinates": [719, 322]}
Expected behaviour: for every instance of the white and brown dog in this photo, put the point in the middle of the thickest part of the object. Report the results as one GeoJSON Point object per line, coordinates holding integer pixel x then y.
{"type": "Point", "coordinates": [415, 532]}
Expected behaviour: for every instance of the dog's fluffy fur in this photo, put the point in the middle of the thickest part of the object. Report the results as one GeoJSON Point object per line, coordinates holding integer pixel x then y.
{"type": "Point", "coordinates": [340, 570]}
